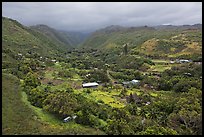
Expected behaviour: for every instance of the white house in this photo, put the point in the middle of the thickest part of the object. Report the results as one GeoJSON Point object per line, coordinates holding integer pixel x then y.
{"type": "Point", "coordinates": [135, 81]}
{"type": "Point", "coordinates": [88, 85]}
{"type": "Point", "coordinates": [147, 103]}
{"type": "Point", "coordinates": [67, 119]}
{"type": "Point", "coordinates": [74, 117]}
{"type": "Point", "coordinates": [132, 82]}
{"type": "Point", "coordinates": [172, 62]}
{"type": "Point", "coordinates": [183, 61]}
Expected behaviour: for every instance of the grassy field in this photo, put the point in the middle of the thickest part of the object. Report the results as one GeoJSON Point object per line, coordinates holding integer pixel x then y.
{"type": "Point", "coordinates": [107, 98]}
{"type": "Point", "coordinates": [17, 118]}
{"type": "Point", "coordinates": [159, 68]}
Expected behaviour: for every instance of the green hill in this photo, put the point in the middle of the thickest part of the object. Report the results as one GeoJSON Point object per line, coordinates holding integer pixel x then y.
{"type": "Point", "coordinates": [75, 38]}
{"type": "Point", "coordinates": [171, 41]}
{"type": "Point", "coordinates": [53, 34]}
{"type": "Point", "coordinates": [117, 36]}
{"type": "Point", "coordinates": [19, 39]}
{"type": "Point", "coordinates": [66, 38]}
{"type": "Point", "coordinates": [17, 36]}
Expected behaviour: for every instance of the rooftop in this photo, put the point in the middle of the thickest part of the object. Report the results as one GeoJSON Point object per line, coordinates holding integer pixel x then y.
{"type": "Point", "coordinates": [90, 84]}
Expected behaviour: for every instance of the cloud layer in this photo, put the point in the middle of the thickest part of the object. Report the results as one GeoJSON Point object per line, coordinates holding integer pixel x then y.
{"type": "Point", "coordinates": [89, 16]}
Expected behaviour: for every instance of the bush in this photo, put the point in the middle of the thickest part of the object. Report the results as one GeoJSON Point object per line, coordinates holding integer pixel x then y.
{"type": "Point", "coordinates": [100, 101]}
{"type": "Point", "coordinates": [158, 130]}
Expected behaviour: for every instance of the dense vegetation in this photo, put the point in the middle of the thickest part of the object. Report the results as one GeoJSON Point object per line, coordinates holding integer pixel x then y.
{"type": "Point", "coordinates": [48, 87]}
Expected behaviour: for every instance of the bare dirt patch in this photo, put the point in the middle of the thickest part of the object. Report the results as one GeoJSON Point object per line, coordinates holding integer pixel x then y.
{"type": "Point", "coordinates": [53, 81]}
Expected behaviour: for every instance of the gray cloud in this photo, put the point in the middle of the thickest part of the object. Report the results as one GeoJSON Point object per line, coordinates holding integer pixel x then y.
{"type": "Point", "coordinates": [89, 16]}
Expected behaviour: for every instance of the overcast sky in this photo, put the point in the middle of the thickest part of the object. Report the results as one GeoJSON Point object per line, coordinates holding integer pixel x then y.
{"type": "Point", "coordinates": [89, 16]}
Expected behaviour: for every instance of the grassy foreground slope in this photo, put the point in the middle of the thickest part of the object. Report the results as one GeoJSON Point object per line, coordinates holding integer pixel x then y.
{"type": "Point", "coordinates": [18, 117]}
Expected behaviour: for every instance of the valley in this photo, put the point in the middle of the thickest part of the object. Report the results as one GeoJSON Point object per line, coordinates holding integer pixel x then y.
{"type": "Point", "coordinates": [149, 81]}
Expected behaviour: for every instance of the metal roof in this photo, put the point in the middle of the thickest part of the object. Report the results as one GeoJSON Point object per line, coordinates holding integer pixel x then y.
{"type": "Point", "coordinates": [135, 81]}
{"type": "Point", "coordinates": [90, 84]}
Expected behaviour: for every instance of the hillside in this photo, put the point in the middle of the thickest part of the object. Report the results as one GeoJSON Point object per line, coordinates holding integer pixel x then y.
{"type": "Point", "coordinates": [66, 38]}
{"type": "Point", "coordinates": [17, 36]}
{"type": "Point", "coordinates": [19, 117]}
{"type": "Point", "coordinates": [186, 42]}
{"type": "Point", "coordinates": [117, 36]}
{"type": "Point", "coordinates": [171, 41]}
{"type": "Point", "coordinates": [181, 27]}
{"type": "Point", "coordinates": [75, 38]}
{"type": "Point", "coordinates": [21, 40]}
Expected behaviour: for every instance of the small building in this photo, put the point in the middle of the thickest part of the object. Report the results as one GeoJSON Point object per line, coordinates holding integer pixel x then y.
{"type": "Point", "coordinates": [125, 83]}
{"type": "Point", "coordinates": [129, 83]}
{"type": "Point", "coordinates": [74, 117]}
{"type": "Point", "coordinates": [172, 62]}
{"type": "Point", "coordinates": [67, 119]}
{"type": "Point", "coordinates": [183, 61]}
{"type": "Point", "coordinates": [53, 60]}
{"type": "Point", "coordinates": [89, 85]}
{"type": "Point", "coordinates": [187, 74]}
{"type": "Point", "coordinates": [88, 75]}
{"type": "Point", "coordinates": [19, 54]}
{"type": "Point", "coordinates": [134, 81]}
{"type": "Point", "coordinates": [147, 103]}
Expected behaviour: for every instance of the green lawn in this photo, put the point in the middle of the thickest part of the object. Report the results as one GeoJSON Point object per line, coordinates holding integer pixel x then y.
{"type": "Point", "coordinates": [160, 61]}
{"type": "Point", "coordinates": [159, 68]}
{"type": "Point", "coordinates": [137, 91]}
{"type": "Point", "coordinates": [107, 98]}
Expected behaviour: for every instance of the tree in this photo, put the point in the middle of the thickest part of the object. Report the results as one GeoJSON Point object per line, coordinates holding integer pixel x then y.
{"type": "Point", "coordinates": [187, 115]}
{"type": "Point", "coordinates": [158, 130]}
{"type": "Point", "coordinates": [31, 80]}
{"type": "Point", "coordinates": [61, 103]}
{"type": "Point", "coordinates": [36, 97]}
{"type": "Point", "coordinates": [119, 127]}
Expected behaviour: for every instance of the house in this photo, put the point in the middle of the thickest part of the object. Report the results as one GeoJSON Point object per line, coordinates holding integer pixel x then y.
{"type": "Point", "coordinates": [187, 74]}
{"type": "Point", "coordinates": [89, 85]}
{"type": "Point", "coordinates": [172, 62]}
{"type": "Point", "coordinates": [88, 75]}
{"type": "Point", "coordinates": [129, 83]}
{"type": "Point", "coordinates": [74, 117]}
{"type": "Point", "coordinates": [135, 81]}
{"type": "Point", "coordinates": [53, 60]}
{"type": "Point", "coordinates": [67, 119]}
{"type": "Point", "coordinates": [183, 61]}
{"type": "Point", "coordinates": [125, 83]}
{"type": "Point", "coordinates": [148, 103]}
